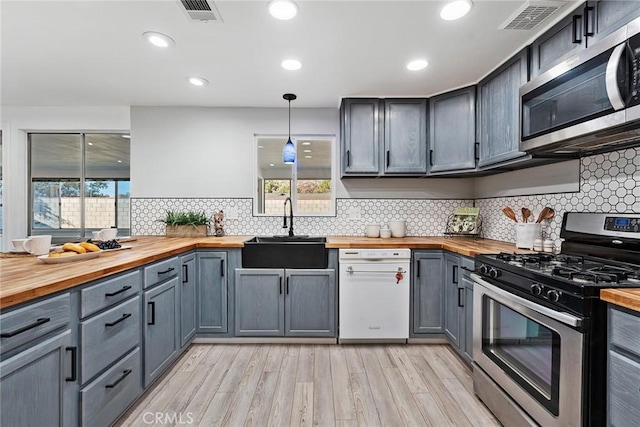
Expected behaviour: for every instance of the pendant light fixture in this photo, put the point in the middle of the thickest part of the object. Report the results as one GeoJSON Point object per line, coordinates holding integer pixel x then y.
{"type": "Point", "coordinates": [289, 150]}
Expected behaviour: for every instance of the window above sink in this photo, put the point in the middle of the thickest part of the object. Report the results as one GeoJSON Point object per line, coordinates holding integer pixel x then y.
{"type": "Point", "coordinates": [312, 176]}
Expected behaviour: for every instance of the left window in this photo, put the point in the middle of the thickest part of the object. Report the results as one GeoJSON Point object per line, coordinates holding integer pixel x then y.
{"type": "Point", "coordinates": [79, 184]}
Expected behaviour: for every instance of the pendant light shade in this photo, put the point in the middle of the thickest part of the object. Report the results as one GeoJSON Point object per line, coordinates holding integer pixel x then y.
{"type": "Point", "coordinates": [289, 150]}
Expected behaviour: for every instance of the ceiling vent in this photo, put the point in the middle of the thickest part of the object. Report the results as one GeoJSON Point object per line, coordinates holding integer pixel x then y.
{"type": "Point", "coordinates": [531, 14]}
{"type": "Point", "coordinates": [201, 10]}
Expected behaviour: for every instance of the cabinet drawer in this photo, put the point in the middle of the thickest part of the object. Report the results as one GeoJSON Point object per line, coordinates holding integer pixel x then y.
{"type": "Point", "coordinates": [109, 292]}
{"type": "Point", "coordinates": [111, 393]}
{"type": "Point", "coordinates": [161, 271]}
{"type": "Point", "coordinates": [467, 265]}
{"type": "Point", "coordinates": [32, 321]}
{"type": "Point", "coordinates": [624, 395]}
{"type": "Point", "coordinates": [625, 330]}
{"type": "Point", "coordinates": [107, 336]}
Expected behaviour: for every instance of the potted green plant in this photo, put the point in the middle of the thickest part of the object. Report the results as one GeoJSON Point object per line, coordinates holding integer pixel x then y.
{"type": "Point", "coordinates": [186, 224]}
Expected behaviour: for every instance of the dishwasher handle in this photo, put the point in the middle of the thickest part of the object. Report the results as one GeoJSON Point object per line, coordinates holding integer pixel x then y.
{"type": "Point", "coordinates": [350, 270]}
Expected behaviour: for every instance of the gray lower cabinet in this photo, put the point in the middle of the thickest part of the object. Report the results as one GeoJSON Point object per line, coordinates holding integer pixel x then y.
{"type": "Point", "coordinates": [623, 370]}
{"type": "Point", "coordinates": [212, 292]}
{"type": "Point", "coordinates": [466, 343]}
{"type": "Point", "coordinates": [39, 385]}
{"type": "Point", "coordinates": [278, 302]}
{"type": "Point", "coordinates": [459, 304]}
{"type": "Point", "coordinates": [427, 293]}
{"type": "Point", "coordinates": [452, 131]}
{"type": "Point", "coordinates": [310, 303]}
{"type": "Point", "coordinates": [161, 311]}
{"type": "Point", "coordinates": [188, 289]}
{"type": "Point", "coordinates": [452, 296]}
{"type": "Point", "coordinates": [498, 123]}
{"type": "Point", "coordinates": [259, 302]}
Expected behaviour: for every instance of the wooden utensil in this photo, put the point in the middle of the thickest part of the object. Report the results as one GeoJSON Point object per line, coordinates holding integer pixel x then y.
{"type": "Point", "coordinates": [510, 213]}
{"type": "Point", "coordinates": [526, 214]}
{"type": "Point", "coordinates": [546, 213]}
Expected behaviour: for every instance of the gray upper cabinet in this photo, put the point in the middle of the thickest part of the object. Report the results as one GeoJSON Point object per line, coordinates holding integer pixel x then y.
{"type": "Point", "coordinates": [587, 24]}
{"type": "Point", "coordinates": [39, 385]}
{"type": "Point", "coordinates": [384, 137]}
{"type": "Point", "coordinates": [188, 283]}
{"type": "Point", "coordinates": [427, 293]}
{"type": "Point", "coordinates": [310, 303]}
{"type": "Point", "coordinates": [405, 136]}
{"type": "Point", "coordinates": [606, 16]}
{"type": "Point", "coordinates": [259, 302]}
{"type": "Point", "coordinates": [498, 113]}
{"type": "Point", "coordinates": [360, 136]}
{"type": "Point", "coordinates": [212, 297]}
{"type": "Point", "coordinates": [452, 131]}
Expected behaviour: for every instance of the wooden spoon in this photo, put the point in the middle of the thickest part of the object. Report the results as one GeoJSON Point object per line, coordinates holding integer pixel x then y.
{"type": "Point", "coordinates": [526, 214]}
{"type": "Point", "coordinates": [510, 214]}
{"type": "Point", "coordinates": [546, 213]}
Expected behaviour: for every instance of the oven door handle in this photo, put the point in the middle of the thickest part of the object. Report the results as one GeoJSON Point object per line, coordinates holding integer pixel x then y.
{"type": "Point", "coordinates": [562, 317]}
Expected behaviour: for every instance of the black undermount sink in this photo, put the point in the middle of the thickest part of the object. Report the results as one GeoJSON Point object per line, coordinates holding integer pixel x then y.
{"type": "Point", "coordinates": [285, 252]}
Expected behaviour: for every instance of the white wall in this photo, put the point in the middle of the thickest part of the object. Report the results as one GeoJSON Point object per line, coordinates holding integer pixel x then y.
{"type": "Point", "coordinates": [16, 123]}
{"type": "Point", "coordinates": [210, 152]}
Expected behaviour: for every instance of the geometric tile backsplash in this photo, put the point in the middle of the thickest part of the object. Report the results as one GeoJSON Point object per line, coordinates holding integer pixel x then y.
{"type": "Point", "coordinates": [608, 183]}
{"type": "Point", "coordinates": [425, 217]}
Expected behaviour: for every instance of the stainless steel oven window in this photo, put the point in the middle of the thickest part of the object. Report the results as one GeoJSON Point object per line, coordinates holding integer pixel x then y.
{"type": "Point", "coordinates": [526, 350]}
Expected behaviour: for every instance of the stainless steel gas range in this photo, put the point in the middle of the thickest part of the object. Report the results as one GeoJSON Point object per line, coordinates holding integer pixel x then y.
{"type": "Point", "coordinates": [539, 333]}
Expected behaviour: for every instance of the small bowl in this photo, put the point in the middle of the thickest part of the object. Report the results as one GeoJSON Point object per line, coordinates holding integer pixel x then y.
{"type": "Point", "coordinates": [372, 231]}
{"type": "Point", "coordinates": [385, 233]}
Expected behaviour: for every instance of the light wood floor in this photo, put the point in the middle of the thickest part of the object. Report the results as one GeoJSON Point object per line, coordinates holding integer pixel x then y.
{"type": "Point", "coordinates": [325, 385]}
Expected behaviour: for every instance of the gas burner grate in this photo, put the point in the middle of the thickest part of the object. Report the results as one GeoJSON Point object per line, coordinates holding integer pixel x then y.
{"type": "Point", "coordinates": [567, 259]}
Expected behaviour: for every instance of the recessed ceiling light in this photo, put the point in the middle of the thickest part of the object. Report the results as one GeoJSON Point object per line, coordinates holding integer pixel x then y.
{"type": "Point", "coordinates": [306, 143]}
{"type": "Point", "coordinates": [124, 136]}
{"type": "Point", "coordinates": [158, 39]}
{"type": "Point", "coordinates": [260, 146]}
{"type": "Point", "coordinates": [271, 164]}
{"type": "Point", "coordinates": [119, 161]}
{"type": "Point", "coordinates": [291, 64]}
{"type": "Point", "coordinates": [90, 143]}
{"type": "Point", "coordinates": [307, 157]}
{"type": "Point", "coordinates": [198, 81]}
{"type": "Point", "coordinates": [307, 151]}
{"type": "Point", "coordinates": [455, 10]}
{"type": "Point", "coordinates": [418, 64]}
{"type": "Point", "coordinates": [283, 9]}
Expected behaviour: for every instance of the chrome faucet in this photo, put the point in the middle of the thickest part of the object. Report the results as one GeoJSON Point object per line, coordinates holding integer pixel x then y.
{"type": "Point", "coordinates": [288, 199]}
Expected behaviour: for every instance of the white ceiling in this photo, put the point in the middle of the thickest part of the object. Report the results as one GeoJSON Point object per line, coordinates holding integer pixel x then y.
{"type": "Point", "coordinates": [91, 53]}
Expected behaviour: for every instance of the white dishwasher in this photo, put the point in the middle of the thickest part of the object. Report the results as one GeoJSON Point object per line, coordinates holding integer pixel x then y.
{"type": "Point", "coordinates": [374, 294]}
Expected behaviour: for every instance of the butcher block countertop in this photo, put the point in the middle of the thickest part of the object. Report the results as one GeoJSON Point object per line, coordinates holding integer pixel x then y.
{"type": "Point", "coordinates": [26, 278]}
{"type": "Point", "coordinates": [629, 298]}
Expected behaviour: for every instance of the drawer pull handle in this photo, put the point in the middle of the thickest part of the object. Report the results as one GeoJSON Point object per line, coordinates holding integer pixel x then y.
{"type": "Point", "coordinates": [168, 270]}
{"type": "Point", "coordinates": [113, 294]}
{"type": "Point", "coordinates": [25, 328]}
{"type": "Point", "coordinates": [115, 322]}
{"type": "Point", "coordinates": [74, 363]}
{"type": "Point", "coordinates": [124, 375]}
{"type": "Point", "coordinates": [152, 309]}
{"type": "Point", "coordinates": [468, 269]}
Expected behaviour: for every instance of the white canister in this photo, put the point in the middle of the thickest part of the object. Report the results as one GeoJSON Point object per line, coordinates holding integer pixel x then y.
{"type": "Point", "coordinates": [398, 227]}
{"type": "Point", "coordinates": [372, 231]}
{"type": "Point", "coordinates": [548, 246]}
{"type": "Point", "coordinates": [526, 234]}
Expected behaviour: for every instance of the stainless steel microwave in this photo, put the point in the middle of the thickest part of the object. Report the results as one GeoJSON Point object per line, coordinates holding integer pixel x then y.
{"type": "Point", "coordinates": [588, 103]}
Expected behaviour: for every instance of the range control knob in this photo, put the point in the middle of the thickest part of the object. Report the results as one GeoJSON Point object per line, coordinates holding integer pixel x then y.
{"type": "Point", "coordinates": [553, 295]}
{"type": "Point", "coordinates": [536, 289]}
{"type": "Point", "coordinates": [484, 269]}
{"type": "Point", "coordinates": [494, 273]}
